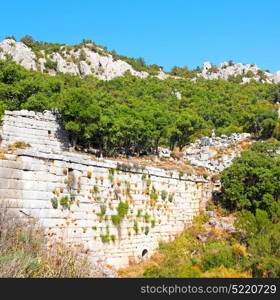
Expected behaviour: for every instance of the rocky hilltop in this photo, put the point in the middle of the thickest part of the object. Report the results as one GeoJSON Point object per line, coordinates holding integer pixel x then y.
{"type": "Point", "coordinates": [89, 59]}
{"type": "Point", "coordinates": [85, 59]}
{"type": "Point", "coordinates": [245, 72]}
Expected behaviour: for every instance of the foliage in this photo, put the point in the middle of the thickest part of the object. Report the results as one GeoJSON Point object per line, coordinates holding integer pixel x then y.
{"type": "Point", "coordinates": [262, 237]}
{"type": "Point", "coordinates": [186, 256]}
{"type": "Point", "coordinates": [54, 202]}
{"type": "Point", "coordinates": [122, 212]}
{"type": "Point", "coordinates": [122, 209]}
{"type": "Point", "coordinates": [116, 220]}
{"type": "Point", "coordinates": [106, 237]}
{"type": "Point", "coordinates": [147, 229]}
{"type": "Point", "coordinates": [102, 210]}
{"type": "Point", "coordinates": [163, 195]}
{"type": "Point", "coordinates": [24, 252]}
{"type": "Point", "coordinates": [95, 189]}
{"type": "Point", "coordinates": [251, 185]}
{"type": "Point", "coordinates": [153, 194]}
{"type": "Point", "coordinates": [134, 115]}
{"type": "Point", "coordinates": [253, 180]}
{"type": "Point", "coordinates": [65, 202]}
{"type": "Point", "coordinates": [136, 227]}
{"type": "Point", "coordinates": [51, 64]}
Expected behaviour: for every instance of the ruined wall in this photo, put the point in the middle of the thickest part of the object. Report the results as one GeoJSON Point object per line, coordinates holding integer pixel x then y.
{"type": "Point", "coordinates": [160, 205]}
{"type": "Point", "coordinates": [41, 130]}
{"type": "Point", "coordinates": [76, 198]}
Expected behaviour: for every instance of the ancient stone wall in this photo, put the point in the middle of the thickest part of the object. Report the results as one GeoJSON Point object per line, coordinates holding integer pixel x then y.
{"type": "Point", "coordinates": [160, 203]}
{"type": "Point", "coordinates": [117, 211]}
{"type": "Point", "coordinates": [41, 130]}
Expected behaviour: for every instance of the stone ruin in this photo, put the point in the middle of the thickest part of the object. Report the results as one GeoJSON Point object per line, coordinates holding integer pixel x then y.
{"type": "Point", "coordinates": [42, 131]}
{"type": "Point", "coordinates": [74, 197]}
{"type": "Point", "coordinates": [162, 203]}
{"type": "Point", "coordinates": [216, 153]}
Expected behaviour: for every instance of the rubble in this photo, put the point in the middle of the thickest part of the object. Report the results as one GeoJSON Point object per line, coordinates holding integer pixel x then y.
{"type": "Point", "coordinates": [216, 153]}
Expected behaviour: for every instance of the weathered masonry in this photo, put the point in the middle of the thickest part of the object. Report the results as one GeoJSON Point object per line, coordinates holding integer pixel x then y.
{"type": "Point", "coordinates": [118, 211]}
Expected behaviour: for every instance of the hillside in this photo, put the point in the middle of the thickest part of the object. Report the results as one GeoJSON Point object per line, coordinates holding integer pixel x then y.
{"type": "Point", "coordinates": [119, 155]}
{"type": "Point", "coordinates": [87, 58]}
{"type": "Point", "coordinates": [84, 59]}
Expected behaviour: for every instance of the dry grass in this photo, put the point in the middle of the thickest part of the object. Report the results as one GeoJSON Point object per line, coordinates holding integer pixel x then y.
{"type": "Point", "coordinates": [138, 270]}
{"type": "Point", "coordinates": [222, 272]}
{"type": "Point", "coordinates": [19, 145]}
{"type": "Point", "coordinates": [24, 252]}
{"type": "Point", "coordinates": [187, 256]}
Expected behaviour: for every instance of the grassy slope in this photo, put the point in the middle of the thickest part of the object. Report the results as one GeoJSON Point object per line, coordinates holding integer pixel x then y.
{"type": "Point", "coordinates": [220, 256]}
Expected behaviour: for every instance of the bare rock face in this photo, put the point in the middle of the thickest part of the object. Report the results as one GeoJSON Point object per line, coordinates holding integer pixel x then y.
{"type": "Point", "coordinates": [88, 59]}
{"type": "Point", "coordinates": [78, 61]}
{"type": "Point", "coordinates": [227, 69]}
{"type": "Point", "coordinates": [276, 77]}
{"type": "Point", "coordinates": [19, 53]}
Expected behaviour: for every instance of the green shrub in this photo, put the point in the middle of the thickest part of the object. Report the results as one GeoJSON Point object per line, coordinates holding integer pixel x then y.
{"type": "Point", "coordinates": [102, 212]}
{"type": "Point", "coordinates": [95, 189]}
{"type": "Point", "coordinates": [170, 197]}
{"type": "Point", "coordinates": [147, 229]}
{"type": "Point", "coordinates": [54, 202]}
{"type": "Point", "coordinates": [65, 202]}
{"type": "Point", "coordinates": [147, 217]}
{"type": "Point", "coordinates": [105, 238]}
{"type": "Point", "coordinates": [163, 195]}
{"type": "Point", "coordinates": [49, 64]}
{"type": "Point", "coordinates": [154, 194]}
{"type": "Point", "coordinates": [251, 182]}
{"type": "Point", "coordinates": [218, 256]}
{"type": "Point", "coordinates": [111, 177]}
{"type": "Point", "coordinates": [116, 220]}
{"type": "Point", "coordinates": [82, 56]}
{"type": "Point", "coordinates": [135, 227]}
{"type": "Point", "coordinates": [122, 209]}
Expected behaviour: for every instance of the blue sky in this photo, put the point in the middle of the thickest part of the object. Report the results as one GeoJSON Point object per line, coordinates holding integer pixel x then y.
{"type": "Point", "coordinates": [165, 32]}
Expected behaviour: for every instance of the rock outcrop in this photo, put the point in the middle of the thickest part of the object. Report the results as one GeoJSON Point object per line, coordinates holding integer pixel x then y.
{"type": "Point", "coordinates": [88, 59]}
{"type": "Point", "coordinates": [247, 71]}
{"type": "Point", "coordinates": [217, 153]}
{"type": "Point", "coordinates": [83, 60]}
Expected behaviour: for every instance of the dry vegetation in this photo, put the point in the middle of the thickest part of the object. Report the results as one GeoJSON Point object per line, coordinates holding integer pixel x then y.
{"type": "Point", "coordinates": [187, 256]}
{"type": "Point", "coordinates": [19, 145]}
{"type": "Point", "coordinates": [23, 252]}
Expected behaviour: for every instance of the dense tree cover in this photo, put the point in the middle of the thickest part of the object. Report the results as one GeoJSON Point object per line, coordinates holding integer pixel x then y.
{"type": "Point", "coordinates": [261, 235]}
{"type": "Point", "coordinates": [253, 180]}
{"type": "Point", "coordinates": [252, 186]}
{"type": "Point", "coordinates": [133, 115]}
{"type": "Point", "coordinates": [184, 72]}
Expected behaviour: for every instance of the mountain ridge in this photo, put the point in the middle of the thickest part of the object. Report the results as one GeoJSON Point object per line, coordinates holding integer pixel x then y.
{"type": "Point", "coordinates": [89, 59]}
